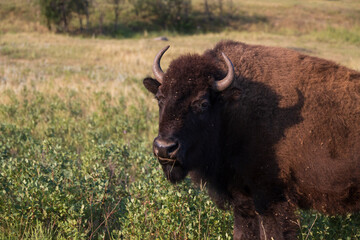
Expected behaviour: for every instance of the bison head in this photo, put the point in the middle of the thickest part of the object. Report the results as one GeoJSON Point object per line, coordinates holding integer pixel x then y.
{"type": "Point", "coordinates": [189, 119]}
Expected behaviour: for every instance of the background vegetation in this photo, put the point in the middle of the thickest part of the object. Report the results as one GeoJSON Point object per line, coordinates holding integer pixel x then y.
{"type": "Point", "coordinates": [76, 124]}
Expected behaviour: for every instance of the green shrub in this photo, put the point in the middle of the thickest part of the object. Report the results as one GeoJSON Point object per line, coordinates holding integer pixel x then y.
{"type": "Point", "coordinates": [61, 168]}
{"type": "Point", "coordinates": [158, 209]}
{"type": "Point", "coordinates": [68, 172]}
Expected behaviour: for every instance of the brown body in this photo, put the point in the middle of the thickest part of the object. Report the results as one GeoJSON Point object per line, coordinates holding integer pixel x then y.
{"type": "Point", "coordinates": [284, 133]}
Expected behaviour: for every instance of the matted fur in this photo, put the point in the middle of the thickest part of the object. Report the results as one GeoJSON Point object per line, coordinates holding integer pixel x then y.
{"type": "Point", "coordinates": [285, 134]}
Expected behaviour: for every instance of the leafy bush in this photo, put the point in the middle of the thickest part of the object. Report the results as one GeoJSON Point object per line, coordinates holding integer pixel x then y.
{"type": "Point", "coordinates": [57, 172]}
{"type": "Point", "coordinates": [68, 172]}
{"type": "Point", "coordinates": [317, 226]}
{"type": "Point", "coordinates": [158, 209]}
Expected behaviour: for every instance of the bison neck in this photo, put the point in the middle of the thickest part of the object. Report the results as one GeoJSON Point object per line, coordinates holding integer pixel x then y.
{"type": "Point", "coordinates": [249, 131]}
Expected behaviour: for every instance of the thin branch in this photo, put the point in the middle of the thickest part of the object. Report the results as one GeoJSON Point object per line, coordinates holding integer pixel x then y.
{"type": "Point", "coordinates": [106, 218]}
{"type": "Point", "coordinates": [316, 216]}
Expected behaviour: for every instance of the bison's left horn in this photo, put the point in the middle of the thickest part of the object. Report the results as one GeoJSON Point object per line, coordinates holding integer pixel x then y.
{"type": "Point", "coordinates": [158, 72]}
{"type": "Point", "coordinates": [220, 85]}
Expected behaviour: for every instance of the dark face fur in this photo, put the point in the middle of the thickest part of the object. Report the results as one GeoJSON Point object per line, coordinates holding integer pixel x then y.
{"type": "Point", "coordinates": [188, 115]}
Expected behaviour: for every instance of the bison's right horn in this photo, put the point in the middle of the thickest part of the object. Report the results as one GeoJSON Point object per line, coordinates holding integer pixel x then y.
{"type": "Point", "coordinates": [158, 72]}
{"type": "Point", "coordinates": [220, 85]}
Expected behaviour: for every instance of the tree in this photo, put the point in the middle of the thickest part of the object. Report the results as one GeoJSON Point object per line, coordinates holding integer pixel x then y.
{"type": "Point", "coordinates": [207, 9]}
{"type": "Point", "coordinates": [116, 4]}
{"type": "Point", "coordinates": [81, 7]}
{"type": "Point", "coordinates": [59, 12]}
{"type": "Point", "coordinates": [168, 14]}
{"type": "Point", "coordinates": [221, 7]}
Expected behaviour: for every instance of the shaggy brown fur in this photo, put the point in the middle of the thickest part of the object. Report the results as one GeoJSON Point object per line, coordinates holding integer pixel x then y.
{"type": "Point", "coordinates": [285, 134]}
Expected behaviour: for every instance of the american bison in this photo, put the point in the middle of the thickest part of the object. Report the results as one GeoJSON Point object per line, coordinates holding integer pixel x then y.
{"type": "Point", "coordinates": [268, 129]}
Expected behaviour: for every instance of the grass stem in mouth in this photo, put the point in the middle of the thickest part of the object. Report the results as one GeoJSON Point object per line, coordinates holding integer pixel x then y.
{"type": "Point", "coordinates": [166, 159]}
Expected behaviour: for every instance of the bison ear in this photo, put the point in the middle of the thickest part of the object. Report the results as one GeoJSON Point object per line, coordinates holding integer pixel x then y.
{"type": "Point", "coordinates": [151, 84]}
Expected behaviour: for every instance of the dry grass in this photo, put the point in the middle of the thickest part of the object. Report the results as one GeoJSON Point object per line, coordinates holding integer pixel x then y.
{"type": "Point", "coordinates": [48, 57]}
{"type": "Point", "coordinates": [33, 57]}
{"type": "Point", "coordinates": [282, 16]}
{"type": "Point", "coordinates": [292, 16]}
{"type": "Point", "coordinates": [56, 64]}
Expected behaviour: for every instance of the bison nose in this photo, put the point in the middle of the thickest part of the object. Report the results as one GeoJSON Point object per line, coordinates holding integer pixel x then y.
{"type": "Point", "coordinates": [165, 148]}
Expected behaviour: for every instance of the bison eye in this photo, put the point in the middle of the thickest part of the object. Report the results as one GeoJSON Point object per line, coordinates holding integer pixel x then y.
{"type": "Point", "coordinates": [161, 102]}
{"type": "Point", "coordinates": [204, 105]}
{"type": "Point", "coordinates": [160, 99]}
{"type": "Point", "coordinates": [200, 106]}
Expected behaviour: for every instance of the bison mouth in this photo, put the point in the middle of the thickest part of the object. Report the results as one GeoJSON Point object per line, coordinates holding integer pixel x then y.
{"type": "Point", "coordinates": [166, 161]}
{"type": "Point", "coordinates": [168, 152]}
{"type": "Point", "coordinates": [173, 170]}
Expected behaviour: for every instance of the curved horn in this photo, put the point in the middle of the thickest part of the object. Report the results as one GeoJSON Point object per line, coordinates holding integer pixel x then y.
{"type": "Point", "coordinates": [221, 85]}
{"type": "Point", "coordinates": [158, 72]}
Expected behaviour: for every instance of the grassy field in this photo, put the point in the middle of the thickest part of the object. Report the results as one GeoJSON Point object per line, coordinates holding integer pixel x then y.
{"type": "Point", "coordinates": [76, 125]}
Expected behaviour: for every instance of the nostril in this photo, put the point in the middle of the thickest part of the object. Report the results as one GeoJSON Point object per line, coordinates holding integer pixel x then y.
{"type": "Point", "coordinates": [172, 148]}
{"type": "Point", "coordinates": [165, 148]}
